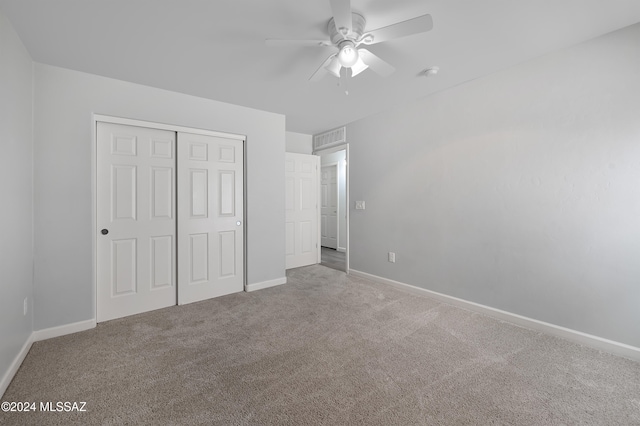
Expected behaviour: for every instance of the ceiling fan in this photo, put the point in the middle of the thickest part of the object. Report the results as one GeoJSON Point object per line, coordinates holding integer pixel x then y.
{"type": "Point", "coordinates": [347, 33]}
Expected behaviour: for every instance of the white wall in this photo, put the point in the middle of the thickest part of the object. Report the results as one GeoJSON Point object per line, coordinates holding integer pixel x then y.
{"type": "Point", "coordinates": [64, 103]}
{"type": "Point", "coordinates": [299, 143]}
{"type": "Point", "coordinates": [520, 190]}
{"type": "Point", "coordinates": [16, 190]}
{"type": "Point", "coordinates": [339, 157]}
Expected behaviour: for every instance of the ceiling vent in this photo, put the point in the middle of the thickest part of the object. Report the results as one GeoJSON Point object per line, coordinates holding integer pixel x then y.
{"type": "Point", "coordinates": [330, 138]}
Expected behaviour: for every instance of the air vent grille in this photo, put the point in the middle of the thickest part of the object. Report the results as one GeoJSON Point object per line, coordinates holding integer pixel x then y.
{"type": "Point", "coordinates": [330, 138]}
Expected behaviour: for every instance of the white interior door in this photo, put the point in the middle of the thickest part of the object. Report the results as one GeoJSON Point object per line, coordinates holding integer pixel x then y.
{"type": "Point", "coordinates": [136, 269]}
{"type": "Point", "coordinates": [301, 213]}
{"type": "Point", "coordinates": [329, 206]}
{"type": "Point", "coordinates": [210, 217]}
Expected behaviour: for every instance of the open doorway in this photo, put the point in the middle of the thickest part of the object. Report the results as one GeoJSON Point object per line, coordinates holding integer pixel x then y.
{"type": "Point", "coordinates": [334, 207]}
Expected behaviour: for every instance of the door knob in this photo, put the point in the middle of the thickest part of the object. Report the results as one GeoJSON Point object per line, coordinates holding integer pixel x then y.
{"type": "Point", "coordinates": [238, 223]}
{"type": "Point", "coordinates": [104, 231]}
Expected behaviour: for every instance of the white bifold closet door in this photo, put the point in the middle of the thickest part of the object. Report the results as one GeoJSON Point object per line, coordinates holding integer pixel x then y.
{"type": "Point", "coordinates": [210, 216]}
{"type": "Point", "coordinates": [169, 218]}
{"type": "Point", "coordinates": [136, 220]}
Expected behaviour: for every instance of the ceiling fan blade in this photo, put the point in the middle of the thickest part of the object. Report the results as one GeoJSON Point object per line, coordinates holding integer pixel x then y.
{"type": "Point", "coordinates": [334, 66]}
{"type": "Point", "coordinates": [376, 64]}
{"type": "Point", "coordinates": [341, 10]}
{"type": "Point", "coordinates": [421, 24]}
{"type": "Point", "coordinates": [322, 71]}
{"type": "Point", "coordinates": [271, 42]}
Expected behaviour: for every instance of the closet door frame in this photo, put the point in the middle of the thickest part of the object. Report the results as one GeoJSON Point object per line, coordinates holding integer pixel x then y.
{"type": "Point", "coordinates": [160, 126]}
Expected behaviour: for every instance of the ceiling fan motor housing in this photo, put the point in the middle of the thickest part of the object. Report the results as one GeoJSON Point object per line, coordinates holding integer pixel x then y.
{"type": "Point", "coordinates": [357, 29]}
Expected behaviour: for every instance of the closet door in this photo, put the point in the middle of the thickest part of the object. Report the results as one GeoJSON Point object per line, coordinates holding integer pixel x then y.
{"type": "Point", "coordinates": [136, 261]}
{"type": "Point", "coordinates": [210, 216]}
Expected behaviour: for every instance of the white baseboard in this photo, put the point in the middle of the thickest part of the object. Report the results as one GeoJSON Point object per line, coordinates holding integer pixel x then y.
{"type": "Point", "coordinates": [36, 336]}
{"type": "Point", "coordinates": [579, 337]}
{"type": "Point", "coordinates": [15, 365]}
{"type": "Point", "coordinates": [50, 333]}
{"type": "Point", "coordinates": [266, 284]}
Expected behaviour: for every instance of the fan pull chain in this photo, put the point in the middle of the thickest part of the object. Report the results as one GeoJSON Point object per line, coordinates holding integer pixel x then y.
{"type": "Point", "coordinates": [344, 77]}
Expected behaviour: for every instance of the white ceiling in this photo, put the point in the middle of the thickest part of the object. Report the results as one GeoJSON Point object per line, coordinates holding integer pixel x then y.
{"type": "Point", "coordinates": [215, 48]}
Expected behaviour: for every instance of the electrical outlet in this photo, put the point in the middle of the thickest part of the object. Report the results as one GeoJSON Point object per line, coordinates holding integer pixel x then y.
{"type": "Point", "coordinates": [25, 305]}
{"type": "Point", "coordinates": [392, 257]}
{"type": "Point", "coordinates": [360, 205]}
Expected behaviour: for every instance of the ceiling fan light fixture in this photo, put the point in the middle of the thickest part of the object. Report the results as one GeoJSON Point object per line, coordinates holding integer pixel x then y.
{"type": "Point", "coordinates": [358, 67]}
{"type": "Point", "coordinates": [348, 56]}
{"type": "Point", "coordinates": [334, 66]}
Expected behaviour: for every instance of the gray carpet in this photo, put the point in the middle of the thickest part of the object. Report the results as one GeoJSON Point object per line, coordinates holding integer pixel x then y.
{"type": "Point", "coordinates": [323, 349]}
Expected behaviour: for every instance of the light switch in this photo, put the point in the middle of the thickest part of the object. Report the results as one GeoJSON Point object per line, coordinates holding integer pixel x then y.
{"type": "Point", "coordinates": [359, 205]}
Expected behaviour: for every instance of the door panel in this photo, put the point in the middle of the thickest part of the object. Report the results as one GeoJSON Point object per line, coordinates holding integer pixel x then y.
{"type": "Point", "coordinates": [329, 206]}
{"type": "Point", "coordinates": [199, 193]}
{"type": "Point", "coordinates": [124, 192]}
{"type": "Point", "coordinates": [162, 193]}
{"type": "Point", "coordinates": [290, 230]}
{"type": "Point", "coordinates": [199, 258]}
{"type": "Point", "coordinates": [227, 254]}
{"type": "Point", "coordinates": [162, 252]}
{"type": "Point", "coordinates": [301, 207]}
{"type": "Point", "coordinates": [124, 279]}
{"type": "Point", "coordinates": [290, 198]}
{"type": "Point", "coordinates": [136, 207]}
{"type": "Point", "coordinates": [226, 193]}
{"type": "Point", "coordinates": [210, 216]}
{"type": "Point", "coordinates": [306, 237]}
